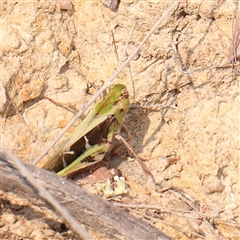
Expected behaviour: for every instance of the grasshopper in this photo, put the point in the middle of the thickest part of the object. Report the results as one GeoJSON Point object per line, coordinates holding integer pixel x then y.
{"type": "Point", "coordinates": [90, 141]}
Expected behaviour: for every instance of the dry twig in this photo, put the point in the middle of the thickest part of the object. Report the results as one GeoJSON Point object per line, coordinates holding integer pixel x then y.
{"type": "Point", "coordinates": [108, 83]}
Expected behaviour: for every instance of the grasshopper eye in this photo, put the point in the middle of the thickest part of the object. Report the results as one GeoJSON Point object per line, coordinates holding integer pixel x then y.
{"type": "Point", "coordinates": [125, 93]}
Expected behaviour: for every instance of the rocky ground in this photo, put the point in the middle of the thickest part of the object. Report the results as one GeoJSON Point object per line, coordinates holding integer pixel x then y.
{"type": "Point", "coordinates": [184, 115]}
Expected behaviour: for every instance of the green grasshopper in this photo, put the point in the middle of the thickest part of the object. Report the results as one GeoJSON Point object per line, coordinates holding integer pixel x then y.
{"type": "Point", "coordinates": [90, 141]}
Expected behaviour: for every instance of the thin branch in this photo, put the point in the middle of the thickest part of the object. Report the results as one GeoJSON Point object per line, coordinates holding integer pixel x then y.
{"type": "Point", "coordinates": [176, 56]}
{"type": "Point", "coordinates": [127, 43]}
{"type": "Point", "coordinates": [39, 138]}
{"type": "Point", "coordinates": [157, 207]}
{"type": "Point", "coordinates": [108, 83]}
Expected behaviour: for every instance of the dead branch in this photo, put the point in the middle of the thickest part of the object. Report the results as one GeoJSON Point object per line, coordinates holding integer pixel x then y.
{"type": "Point", "coordinates": [22, 171]}
{"type": "Point", "coordinates": [88, 209]}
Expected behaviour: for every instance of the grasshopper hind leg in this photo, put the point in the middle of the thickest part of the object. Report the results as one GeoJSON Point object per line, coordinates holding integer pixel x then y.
{"type": "Point", "coordinates": [129, 138]}
{"type": "Point", "coordinates": [142, 164]}
{"type": "Point", "coordinates": [128, 133]}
